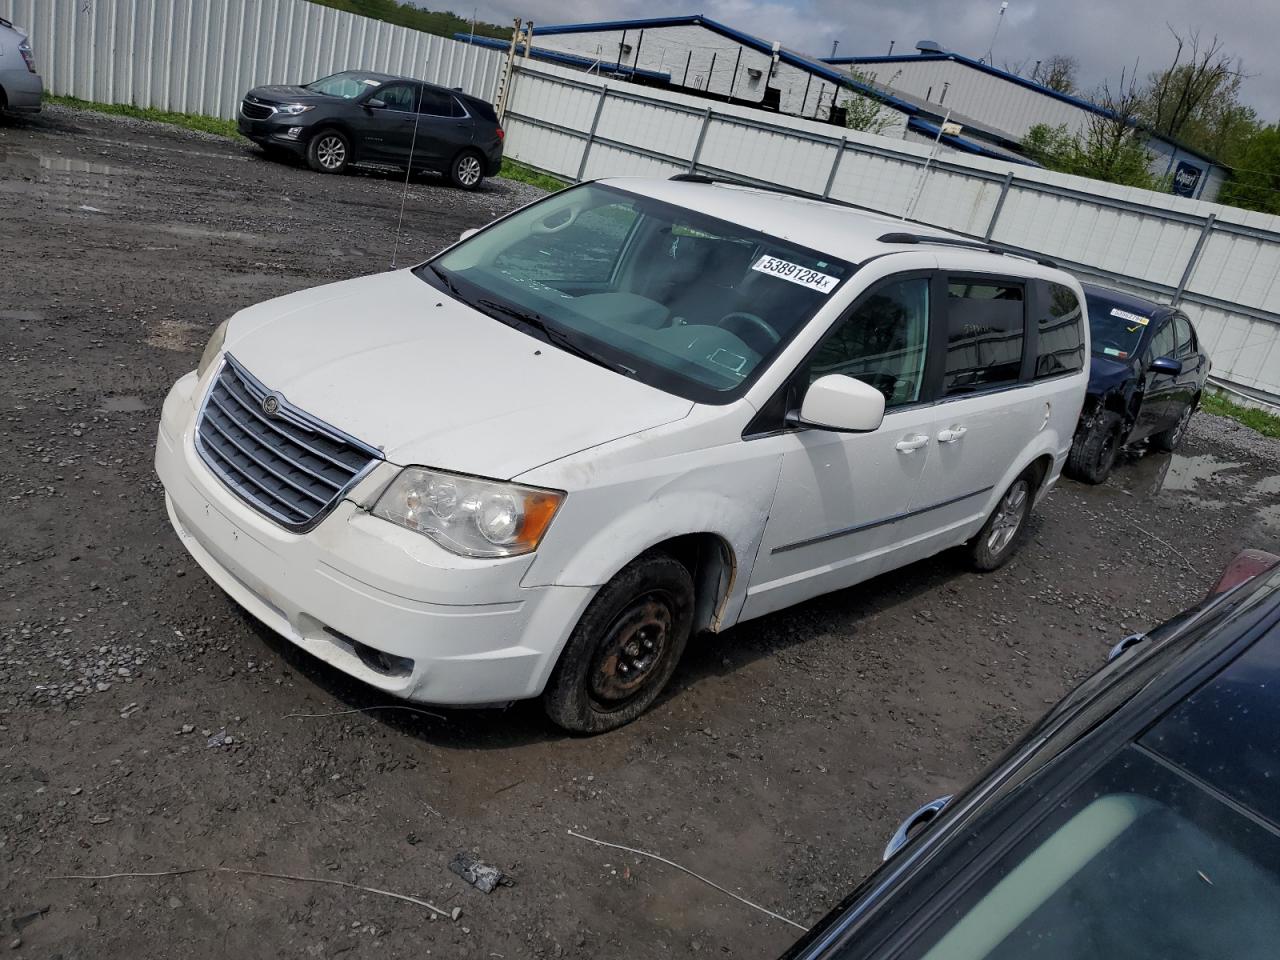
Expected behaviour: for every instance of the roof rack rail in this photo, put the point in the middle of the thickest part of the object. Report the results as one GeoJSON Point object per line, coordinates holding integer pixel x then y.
{"type": "Point", "coordinates": [985, 245]}
{"type": "Point", "coordinates": [756, 185]}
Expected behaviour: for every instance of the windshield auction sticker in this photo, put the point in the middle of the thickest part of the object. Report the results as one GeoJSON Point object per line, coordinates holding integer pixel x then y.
{"type": "Point", "coordinates": [1131, 317]}
{"type": "Point", "coordinates": [822, 282]}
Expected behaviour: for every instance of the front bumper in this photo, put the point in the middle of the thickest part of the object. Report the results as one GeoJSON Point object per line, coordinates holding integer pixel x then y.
{"type": "Point", "coordinates": [274, 132]}
{"type": "Point", "coordinates": [23, 90]}
{"type": "Point", "coordinates": [357, 584]}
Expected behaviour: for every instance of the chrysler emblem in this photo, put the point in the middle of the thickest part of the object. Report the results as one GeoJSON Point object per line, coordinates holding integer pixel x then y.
{"type": "Point", "coordinates": [270, 404]}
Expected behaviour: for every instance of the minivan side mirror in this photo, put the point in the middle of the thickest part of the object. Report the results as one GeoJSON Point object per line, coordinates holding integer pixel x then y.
{"type": "Point", "coordinates": [468, 234]}
{"type": "Point", "coordinates": [840, 403]}
{"type": "Point", "coordinates": [1167, 366]}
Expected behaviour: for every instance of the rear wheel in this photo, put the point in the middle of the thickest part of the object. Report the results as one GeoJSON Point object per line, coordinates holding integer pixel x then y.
{"type": "Point", "coordinates": [329, 152]}
{"type": "Point", "coordinates": [1093, 452]}
{"type": "Point", "coordinates": [624, 649]}
{"type": "Point", "coordinates": [1168, 440]}
{"type": "Point", "coordinates": [999, 537]}
{"type": "Point", "coordinates": [467, 170]}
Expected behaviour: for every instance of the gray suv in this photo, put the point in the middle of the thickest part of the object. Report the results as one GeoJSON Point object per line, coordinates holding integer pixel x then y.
{"type": "Point", "coordinates": [20, 85]}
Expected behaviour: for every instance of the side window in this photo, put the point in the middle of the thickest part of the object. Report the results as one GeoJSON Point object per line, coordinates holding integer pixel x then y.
{"type": "Point", "coordinates": [436, 103]}
{"type": "Point", "coordinates": [984, 335]}
{"type": "Point", "coordinates": [1061, 334]}
{"type": "Point", "coordinates": [397, 96]}
{"type": "Point", "coordinates": [1164, 343]}
{"type": "Point", "coordinates": [1186, 341]}
{"type": "Point", "coordinates": [585, 248]}
{"type": "Point", "coordinates": [883, 342]}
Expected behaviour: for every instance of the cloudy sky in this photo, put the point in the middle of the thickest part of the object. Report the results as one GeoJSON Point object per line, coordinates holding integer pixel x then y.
{"type": "Point", "coordinates": [1104, 35]}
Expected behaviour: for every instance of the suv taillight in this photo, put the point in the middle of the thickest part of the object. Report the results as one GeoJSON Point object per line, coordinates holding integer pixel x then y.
{"type": "Point", "coordinates": [24, 48]}
{"type": "Point", "coordinates": [501, 134]}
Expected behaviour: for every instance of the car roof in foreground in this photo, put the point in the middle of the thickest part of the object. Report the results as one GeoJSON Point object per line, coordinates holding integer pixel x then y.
{"type": "Point", "coordinates": [1126, 301]}
{"type": "Point", "coordinates": [842, 231]}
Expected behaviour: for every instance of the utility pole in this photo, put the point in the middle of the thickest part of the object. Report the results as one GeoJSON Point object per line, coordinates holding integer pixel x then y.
{"type": "Point", "coordinates": [834, 44]}
{"type": "Point", "coordinates": [891, 43]}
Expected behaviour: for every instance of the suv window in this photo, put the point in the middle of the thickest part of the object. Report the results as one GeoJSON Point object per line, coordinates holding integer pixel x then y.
{"type": "Point", "coordinates": [984, 335]}
{"type": "Point", "coordinates": [1186, 339]}
{"type": "Point", "coordinates": [1061, 334]}
{"type": "Point", "coordinates": [437, 103]}
{"type": "Point", "coordinates": [883, 342]}
{"type": "Point", "coordinates": [1164, 343]}
{"type": "Point", "coordinates": [397, 96]}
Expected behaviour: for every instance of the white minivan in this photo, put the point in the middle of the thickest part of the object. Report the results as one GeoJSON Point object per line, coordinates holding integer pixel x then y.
{"type": "Point", "coordinates": [632, 411]}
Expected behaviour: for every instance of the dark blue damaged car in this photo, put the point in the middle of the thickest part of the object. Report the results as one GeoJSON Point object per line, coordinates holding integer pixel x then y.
{"type": "Point", "coordinates": [1146, 375]}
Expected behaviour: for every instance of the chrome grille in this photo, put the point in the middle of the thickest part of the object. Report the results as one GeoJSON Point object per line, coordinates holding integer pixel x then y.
{"type": "Point", "coordinates": [256, 111]}
{"type": "Point", "coordinates": [283, 462]}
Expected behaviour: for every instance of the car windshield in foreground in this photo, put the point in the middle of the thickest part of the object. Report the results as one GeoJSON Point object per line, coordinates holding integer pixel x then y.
{"type": "Point", "coordinates": [347, 85]}
{"type": "Point", "coordinates": [682, 301]}
{"type": "Point", "coordinates": [1116, 329]}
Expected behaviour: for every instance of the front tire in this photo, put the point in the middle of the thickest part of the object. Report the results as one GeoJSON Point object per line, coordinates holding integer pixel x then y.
{"type": "Point", "coordinates": [1000, 536]}
{"type": "Point", "coordinates": [1094, 451]}
{"type": "Point", "coordinates": [1168, 440]}
{"type": "Point", "coordinates": [467, 170]}
{"type": "Point", "coordinates": [624, 649]}
{"type": "Point", "coordinates": [329, 151]}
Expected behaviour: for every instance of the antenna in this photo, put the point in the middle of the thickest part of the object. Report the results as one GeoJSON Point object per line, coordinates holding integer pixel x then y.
{"type": "Point", "coordinates": [404, 195]}
{"type": "Point", "coordinates": [999, 20]}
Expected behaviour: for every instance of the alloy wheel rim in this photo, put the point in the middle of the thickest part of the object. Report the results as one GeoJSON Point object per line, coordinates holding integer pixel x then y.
{"type": "Point", "coordinates": [1008, 518]}
{"type": "Point", "coordinates": [633, 649]}
{"type": "Point", "coordinates": [469, 171]}
{"type": "Point", "coordinates": [330, 152]}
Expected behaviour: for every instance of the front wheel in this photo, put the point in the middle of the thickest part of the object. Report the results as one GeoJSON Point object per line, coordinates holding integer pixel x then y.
{"type": "Point", "coordinates": [466, 171]}
{"type": "Point", "coordinates": [1093, 452]}
{"type": "Point", "coordinates": [999, 537]}
{"type": "Point", "coordinates": [329, 152]}
{"type": "Point", "coordinates": [624, 649]}
{"type": "Point", "coordinates": [1168, 440]}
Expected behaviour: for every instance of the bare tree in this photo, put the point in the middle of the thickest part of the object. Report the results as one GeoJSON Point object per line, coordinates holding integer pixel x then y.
{"type": "Point", "coordinates": [1199, 75]}
{"type": "Point", "coordinates": [1057, 72]}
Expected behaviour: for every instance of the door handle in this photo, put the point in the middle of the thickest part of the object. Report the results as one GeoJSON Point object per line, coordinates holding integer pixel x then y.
{"type": "Point", "coordinates": [952, 434]}
{"type": "Point", "coordinates": [911, 444]}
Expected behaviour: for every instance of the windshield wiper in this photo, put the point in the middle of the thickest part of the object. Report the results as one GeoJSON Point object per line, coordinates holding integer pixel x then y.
{"type": "Point", "coordinates": [444, 278]}
{"type": "Point", "coordinates": [555, 336]}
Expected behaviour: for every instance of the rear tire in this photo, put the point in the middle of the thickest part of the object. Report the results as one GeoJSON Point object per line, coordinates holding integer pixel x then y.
{"type": "Point", "coordinates": [1000, 536]}
{"type": "Point", "coordinates": [467, 170]}
{"type": "Point", "coordinates": [329, 151]}
{"type": "Point", "coordinates": [1093, 452]}
{"type": "Point", "coordinates": [1168, 440]}
{"type": "Point", "coordinates": [624, 649]}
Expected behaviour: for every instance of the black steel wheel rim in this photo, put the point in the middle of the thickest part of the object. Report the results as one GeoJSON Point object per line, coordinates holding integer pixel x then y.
{"type": "Point", "coordinates": [632, 651]}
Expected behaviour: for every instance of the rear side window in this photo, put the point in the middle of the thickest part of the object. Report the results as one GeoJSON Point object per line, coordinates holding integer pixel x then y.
{"type": "Point", "coordinates": [1060, 332]}
{"type": "Point", "coordinates": [1165, 342]}
{"type": "Point", "coordinates": [437, 103]}
{"type": "Point", "coordinates": [1186, 338]}
{"type": "Point", "coordinates": [984, 335]}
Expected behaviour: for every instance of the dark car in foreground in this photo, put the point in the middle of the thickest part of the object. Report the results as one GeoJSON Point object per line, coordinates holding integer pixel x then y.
{"type": "Point", "coordinates": [1146, 375]}
{"type": "Point", "coordinates": [363, 117]}
{"type": "Point", "coordinates": [1140, 818]}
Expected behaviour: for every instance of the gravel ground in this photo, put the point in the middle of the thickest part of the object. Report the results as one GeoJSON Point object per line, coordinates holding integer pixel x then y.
{"type": "Point", "coordinates": [146, 724]}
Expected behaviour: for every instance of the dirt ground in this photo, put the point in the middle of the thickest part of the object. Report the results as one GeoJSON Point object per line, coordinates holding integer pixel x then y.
{"type": "Point", "coordinates": [783, 757]}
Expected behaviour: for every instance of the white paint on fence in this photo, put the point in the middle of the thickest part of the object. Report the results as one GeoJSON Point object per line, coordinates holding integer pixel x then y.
{"type": "Point", "coordinates": [201, 56]}
{"type": "Point", "coordinates": [1116, 235]}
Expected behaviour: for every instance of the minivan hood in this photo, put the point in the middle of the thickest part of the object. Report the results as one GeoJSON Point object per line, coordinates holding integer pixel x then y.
{"type": "Point", "coordinates": [401, 366]}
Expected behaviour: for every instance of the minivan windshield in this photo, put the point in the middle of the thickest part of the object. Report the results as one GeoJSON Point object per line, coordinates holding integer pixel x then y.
{"type": "Point", "coordinates": [1115, 330]}
{"type": "Point", "coordinates": [348, 85]}
{"type": "Point", "coordinates": [680, 300]}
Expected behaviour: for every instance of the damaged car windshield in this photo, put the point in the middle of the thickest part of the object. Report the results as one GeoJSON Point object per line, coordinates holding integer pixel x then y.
{"type": "Point", "coordinates": [1115, 330]}
{"type": "Point", "coordinates": [680, 300]}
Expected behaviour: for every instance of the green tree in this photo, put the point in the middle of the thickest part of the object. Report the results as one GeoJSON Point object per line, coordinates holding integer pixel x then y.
{"type": "Point", "coordinates": [863, 113]}
{"type": "Point", "coordinates": [444, 24]}
{"type": "Point", "coordinates": [1103, 152]}
{"type": "Point", "coordinates": [1255, 182]}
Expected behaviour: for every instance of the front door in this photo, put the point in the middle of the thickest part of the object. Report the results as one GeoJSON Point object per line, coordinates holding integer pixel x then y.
{"type": "Point", "coordinates": [386, 131]}
{"type": "Point", "coordinates": [840, 495]}
{"type": "Point", "coordinates": [1158, 389]}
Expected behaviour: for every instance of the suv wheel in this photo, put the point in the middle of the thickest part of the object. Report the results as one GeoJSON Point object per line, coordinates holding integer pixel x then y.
{"type": "Point", "coordinates": [467, 170]}
{"type": "Point", "coordinates": [1094, 451]}
{"type": "Point", "coordinates": [329, 152]}
{"type": "Point", "coordinates": [999, 537]}
{"type": "Point", "coordinates": [1168, 440]}
{"type": "Point", "coordinates": [624, 649]}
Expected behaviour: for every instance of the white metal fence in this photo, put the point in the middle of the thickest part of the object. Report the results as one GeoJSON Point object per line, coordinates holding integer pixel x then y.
{"type": "Point", "coordinates": [200, 56]}
{"type": "Point", "coordinates": [1222, 263]}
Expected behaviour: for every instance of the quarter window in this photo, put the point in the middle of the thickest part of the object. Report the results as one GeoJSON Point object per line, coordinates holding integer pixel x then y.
{"type": "Point", "coordinates": [1060, 334]}
{"type": "Point", "coordinates": [882, 343]}
{"type": "Point", "coordinates": [984, 335]}
{"type": "Point", "coordinates": [1186, 340]}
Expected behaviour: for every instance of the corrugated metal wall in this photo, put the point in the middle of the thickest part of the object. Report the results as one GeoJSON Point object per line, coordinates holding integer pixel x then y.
{"type": "Point", "coordinates": [1223, 262]}
{"type": "Point", "coordinates": [200, 56]}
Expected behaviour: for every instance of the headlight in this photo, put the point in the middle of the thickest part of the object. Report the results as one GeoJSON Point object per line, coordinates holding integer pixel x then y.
{"type": "Point", "coordinates": [212, 348]}
{"type": "Point", "coordinates": [293, 109]}
{"type": "Point", "coordinates": [475, 518]}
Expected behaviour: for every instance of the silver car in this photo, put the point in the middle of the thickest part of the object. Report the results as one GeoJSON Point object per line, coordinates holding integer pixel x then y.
{"type": "Point", "coordinates": [20, 86]}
